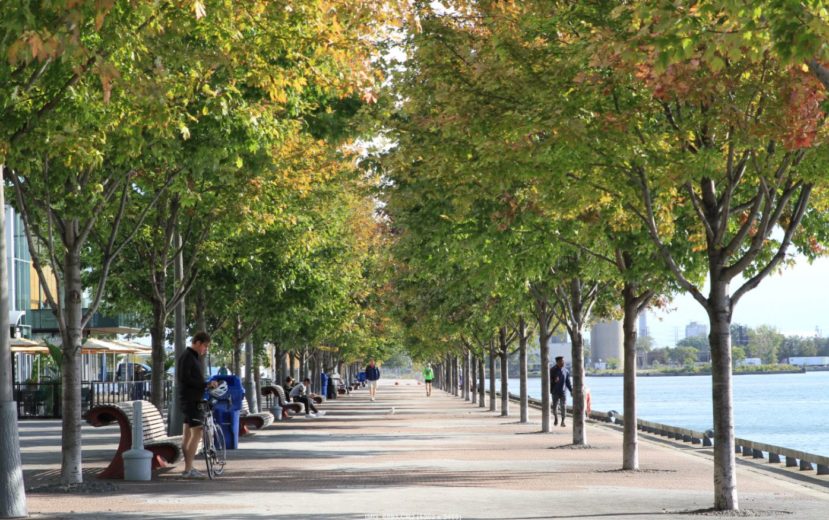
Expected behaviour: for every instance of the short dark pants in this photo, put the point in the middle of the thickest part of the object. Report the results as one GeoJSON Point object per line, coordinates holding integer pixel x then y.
{"type": "Point", "coordinates": [192, 414]}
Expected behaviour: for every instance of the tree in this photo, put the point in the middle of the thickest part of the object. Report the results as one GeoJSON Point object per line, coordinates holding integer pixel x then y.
{"type": "Point", "coordinates": [764, 342]}
{"type": "Point", "coordinates": [727, 177]}
{"type": "Point", "coordinates": [78, 75]}
{"type": "Point", "coordinates": [683, 355]}
{"type": "Point", "coordinates": [12, 491]}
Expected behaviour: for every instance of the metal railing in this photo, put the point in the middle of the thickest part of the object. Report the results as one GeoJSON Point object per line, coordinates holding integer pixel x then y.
{"type": "Point", "coordinates": [43, 400]}
{"type": "Point", "coordinates": [803, 460]}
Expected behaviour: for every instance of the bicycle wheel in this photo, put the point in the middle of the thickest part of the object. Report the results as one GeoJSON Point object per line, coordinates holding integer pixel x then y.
{"type": "Point", "coordinates": [207, 446]}
{"type": "Point", "coordinates": [218, 451]}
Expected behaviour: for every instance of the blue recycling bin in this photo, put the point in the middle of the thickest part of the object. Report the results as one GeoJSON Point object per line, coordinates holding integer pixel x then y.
{"type": "Point", "coordinates": [226, 411]}
{"type": "Point", "coordinates": [324, 384]}
{"type": "Point", "coordinates": [361, 377]}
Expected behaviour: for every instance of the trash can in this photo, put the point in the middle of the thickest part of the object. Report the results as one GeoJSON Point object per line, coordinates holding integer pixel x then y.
{"type": "Point", "coordinates": [361, 378]}
{"type": "Point", "coordinates": [226, 411]}
{"type": "Point", "coordinates": [324, 384]}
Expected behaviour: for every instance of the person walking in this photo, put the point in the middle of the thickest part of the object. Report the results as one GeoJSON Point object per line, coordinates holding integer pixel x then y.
{"type": "Point", "coordinates": [191, 383]}
{"type": "Point", "coordinates": [559, 384]}
{"type": "Point", "coordinates": [428, 376]}
{"type": "Point", "coordinates": [300, 394]}
{"type": "Point", "coordinates": [372, 376]}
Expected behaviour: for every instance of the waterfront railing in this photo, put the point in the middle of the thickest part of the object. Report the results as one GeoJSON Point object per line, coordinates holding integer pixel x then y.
{"type": "Point", "coordinates": [756, 450]}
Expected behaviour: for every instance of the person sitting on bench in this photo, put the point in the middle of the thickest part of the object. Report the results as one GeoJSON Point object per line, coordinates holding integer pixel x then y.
{"type": "Point", "coordinates": [300, 394]}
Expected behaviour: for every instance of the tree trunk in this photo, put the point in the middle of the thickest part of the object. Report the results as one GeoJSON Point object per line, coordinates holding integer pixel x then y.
{"type": "Point", "coordinates": [473, 381]}
{"type": "Point", "coordinates": [630, 440]}
{"type": "Point", "coordinates": [466, 376]}
{"type": "Point", "coordinates": [257, 382]}
{"type": "Point", "coordinates": [158, 339]}
{"type": "Point", "coordinates": [457, 376]}
{"type": "Point", "coordinates": [577, 339]}
{"type": "Point", "coordinates": [725, 474]}
{"type": "Point", "coordinates": [201, 307]}
{"type": "Point", "coordinates": [236, 362]}
{"type": "Point", "coordinates": [492, 394]}
{"type": "Point", "coordinates": [303, 366]}
{"type": "Point", "coordinates": [522, 362]}
{"type": "Point", "coordinates": [12, 490]}
{"type": "Point", "coordinates": [504, 373]}
{"type": "Point", "coordinates": [71, 471]}
{"type": "Point", "coordinates": [543, 317]}
{"type": "Point", "coordinates": [176, 419]}
{"type": "Point", "coordinates": [286, 364]}
{"type": "Point", "coordinates": [481, 382]}
{"type": "Point", "coordinates": [250, 386]}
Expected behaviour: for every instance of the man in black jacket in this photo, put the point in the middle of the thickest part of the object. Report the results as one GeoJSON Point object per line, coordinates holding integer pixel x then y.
{"type": "Point", "coordinates": [191, 384]}
{"type": "Point", "coordinates": [559, 384]}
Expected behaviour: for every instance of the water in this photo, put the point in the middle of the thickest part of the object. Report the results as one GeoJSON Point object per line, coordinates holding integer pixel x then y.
{"type": "Point", "coordinates": [788, 410]}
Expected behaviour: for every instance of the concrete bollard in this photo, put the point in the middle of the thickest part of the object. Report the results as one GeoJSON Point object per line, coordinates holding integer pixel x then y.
{"type": "Point", "coordinates": [791, 462]}
{"type": "Point", "coordinates": [757, 454]}
{"type": "Point", "coordinates": [774, 458]}
{"type": "Point", "coordinates": [822, 469]}
{"type": "Point", "coordinates": [706, 441]}
{"type": "Point", "coordinates": [805, 465]}
{"type": "Point", "coordinates": [137, 461]}
{"type": "Point", "coordinates": [738, 449]}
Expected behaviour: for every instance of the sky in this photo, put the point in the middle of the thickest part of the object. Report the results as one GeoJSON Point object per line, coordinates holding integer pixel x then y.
{"type": "Point", "coordinates": [793, 301]}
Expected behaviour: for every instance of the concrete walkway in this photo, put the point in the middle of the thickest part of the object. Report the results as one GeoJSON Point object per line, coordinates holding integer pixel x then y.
{"type": "Point", "coordinates": [409, 457]}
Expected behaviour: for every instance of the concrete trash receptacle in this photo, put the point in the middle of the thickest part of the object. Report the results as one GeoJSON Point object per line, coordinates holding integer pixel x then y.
{"type": "Point", "coordinates": [137, 461]}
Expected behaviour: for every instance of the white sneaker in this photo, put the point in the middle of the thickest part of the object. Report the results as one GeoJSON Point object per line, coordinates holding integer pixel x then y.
{"type": "Point", "coordinates": [320, 413]}
{"type": "Point", "coordinates": [194, 473]}
{"type": "Point", "coordinates": [311, 415]}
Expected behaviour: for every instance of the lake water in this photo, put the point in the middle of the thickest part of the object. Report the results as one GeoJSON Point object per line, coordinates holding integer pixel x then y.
{"type": "Point", "coordinates": [788, 410]}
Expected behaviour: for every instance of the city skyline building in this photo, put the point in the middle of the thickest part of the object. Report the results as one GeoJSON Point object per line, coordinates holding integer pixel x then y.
{"type": "Point", "coordinates": [642, 325]}
{"type": "Point", "coordinates": [606, 342]}
{"type": "Point", "coordinates": [695, 329]}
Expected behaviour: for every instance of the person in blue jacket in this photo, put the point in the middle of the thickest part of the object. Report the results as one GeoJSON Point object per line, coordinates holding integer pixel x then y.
{"type": "Point", "coordinates": [559, 384]}
{"type": "Point", "coordinates": [372, 376]}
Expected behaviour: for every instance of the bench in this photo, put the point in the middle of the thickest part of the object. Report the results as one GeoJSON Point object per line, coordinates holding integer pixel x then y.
{"type": "Point", "coordinates": [248, 420]}
{"type": "Point", "coordinates": [166, 450]}
{"type": "Point", "coordinates": [279, 394]}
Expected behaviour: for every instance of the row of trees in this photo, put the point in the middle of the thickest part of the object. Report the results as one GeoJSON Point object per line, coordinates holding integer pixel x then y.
{"type": "Point", "coordinates": [551, 164]}
{"type": "Point", "coordinates": [159, 149]}
{"type": "Point", "coordinates": [764, 342]}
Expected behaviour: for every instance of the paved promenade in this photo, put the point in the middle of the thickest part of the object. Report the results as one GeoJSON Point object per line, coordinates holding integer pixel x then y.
{"type": "Point", "coordinates": [406, 456]}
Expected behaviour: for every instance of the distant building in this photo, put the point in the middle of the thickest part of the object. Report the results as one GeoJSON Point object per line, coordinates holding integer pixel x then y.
{"type": "Point", "coordinates": [739, 335]}
{"type": "Point", "coordinates": [560, 346]}
{"type": "Point", "coordinates": [606, 341]}
{"type": "Point", "coordinates": [810, 361]}
{"type": "Point", "coordinates": [750, 362]}
{"type": "Point", "coordinates": [643, 331]}
{"type": "Point", "coordinates": [695, 329]}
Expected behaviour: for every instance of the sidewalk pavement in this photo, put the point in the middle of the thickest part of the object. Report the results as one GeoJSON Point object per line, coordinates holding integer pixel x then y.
{"type": "Point", "coordinates": [406, 456]}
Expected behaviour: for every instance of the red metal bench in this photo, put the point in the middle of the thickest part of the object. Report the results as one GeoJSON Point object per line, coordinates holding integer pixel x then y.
{"type": "Point", "coordinates": [248, 420]}
{"type": "Point", "coordinates": [166, 450]}
{"type": "Point", "coordinates": [279, 394]}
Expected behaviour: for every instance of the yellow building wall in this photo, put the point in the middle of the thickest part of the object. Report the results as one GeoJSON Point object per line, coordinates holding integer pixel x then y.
{"type": "Point", "coordinates": [37, 296]}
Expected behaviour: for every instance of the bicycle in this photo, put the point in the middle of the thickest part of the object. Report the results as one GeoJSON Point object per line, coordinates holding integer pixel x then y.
{"type": "Point", "coordinates": [213, 439]}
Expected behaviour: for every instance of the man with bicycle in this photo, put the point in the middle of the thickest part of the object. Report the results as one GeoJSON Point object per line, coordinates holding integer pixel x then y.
{"type": "Point", "coordinates": [191, 383]}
